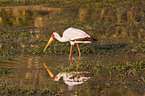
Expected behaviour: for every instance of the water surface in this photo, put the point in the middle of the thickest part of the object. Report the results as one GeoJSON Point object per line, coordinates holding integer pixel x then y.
{"type": "Point", "coordinates": [29, 72]}
{"type": "Point", "coordinates": [24, 31]}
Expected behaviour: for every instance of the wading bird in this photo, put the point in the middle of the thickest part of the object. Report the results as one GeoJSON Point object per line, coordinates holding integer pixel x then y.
{"type": "Point", "coordinates": [72, 35]}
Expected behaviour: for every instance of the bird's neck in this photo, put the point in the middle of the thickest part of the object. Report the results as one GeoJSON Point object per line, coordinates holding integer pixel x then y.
{"type": "Point", "coordinates": [61, 39]}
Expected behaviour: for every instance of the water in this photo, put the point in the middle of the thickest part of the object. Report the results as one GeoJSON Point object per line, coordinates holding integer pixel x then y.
{"type": "Point", "coordinates": [29, 72]}
{"type": "Point", "coordinates": [120, 32]}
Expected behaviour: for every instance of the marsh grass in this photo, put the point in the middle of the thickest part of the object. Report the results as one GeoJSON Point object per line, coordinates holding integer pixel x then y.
{"type": "Point", "coordinates": [14, 48]}
{"type": "Point", "coordinates": [21, 40]}
{"type": "Point", "coordinates": [4, 71]}
{"type": "Point", "coordinates": [127, 75]}
{"type": "Point", "coordinates": [18, 42]}
{"type": "Point", "coordinates": [85, 65]}
{"type": "Point", "coordinates": [8, 89]}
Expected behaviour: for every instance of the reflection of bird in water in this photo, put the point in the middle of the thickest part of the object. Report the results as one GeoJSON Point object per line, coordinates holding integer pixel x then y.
{"type": "Point", "coordinates": [74, 36]}
{"type": "Point", "coordinates": [70, 78]}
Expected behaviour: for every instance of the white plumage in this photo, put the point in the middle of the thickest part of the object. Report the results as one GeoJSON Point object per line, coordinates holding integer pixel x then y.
{"type": "Point", "coordinates": [72, 35]}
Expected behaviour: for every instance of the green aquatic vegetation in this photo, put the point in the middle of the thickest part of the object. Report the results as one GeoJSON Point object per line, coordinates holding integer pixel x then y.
{"type": "Point", "coordinates": [127, 74]}
{"type": "Point", "coordinates": [81, 65]}
{"type": "Point", "coordinates": [20, 40]}
{"type": "Point", "coordinates": [7, 89]}
{"type": "Point", "coordinates": [34, 47]}
{"type": "Point", "coordinates": [4, 71]}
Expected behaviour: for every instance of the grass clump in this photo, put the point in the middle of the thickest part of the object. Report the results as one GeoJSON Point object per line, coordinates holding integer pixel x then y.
{"type": "Point", "coordinates": [7, 89]}
{"type": "Point", "coordinates": [128, 74]}
{"type": "Point", "coordinates": [84, 65]}
{"type": "Point", "coordinates": [4, 70]}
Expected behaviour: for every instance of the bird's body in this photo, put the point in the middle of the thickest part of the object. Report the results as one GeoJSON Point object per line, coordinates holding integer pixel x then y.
{"type": "Point", "coordinates": [72, 35]}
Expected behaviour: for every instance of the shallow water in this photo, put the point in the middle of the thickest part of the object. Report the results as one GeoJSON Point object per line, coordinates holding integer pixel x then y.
{"type": "Point", "coordinates": [29, 72]}
{"type": "Point", "coordinates": [24, 32]}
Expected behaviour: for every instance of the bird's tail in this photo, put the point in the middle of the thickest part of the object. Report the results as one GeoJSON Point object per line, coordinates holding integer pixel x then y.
{"type": "Point", "coordinates": [93, 40]}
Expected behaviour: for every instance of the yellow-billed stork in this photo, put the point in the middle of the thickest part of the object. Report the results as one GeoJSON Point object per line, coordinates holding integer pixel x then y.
{"type": "Point", "coordinates": [74, 36]}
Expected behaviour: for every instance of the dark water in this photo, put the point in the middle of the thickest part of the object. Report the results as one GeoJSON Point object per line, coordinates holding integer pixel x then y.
{"type": "Point", "coordinates": [25, 30]}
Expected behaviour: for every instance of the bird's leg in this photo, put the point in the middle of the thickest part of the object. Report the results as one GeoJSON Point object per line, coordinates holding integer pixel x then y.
{"type": "Point", "coordinates": [79, 51]}
{"type": "Point", "coordinates": [70, 53]}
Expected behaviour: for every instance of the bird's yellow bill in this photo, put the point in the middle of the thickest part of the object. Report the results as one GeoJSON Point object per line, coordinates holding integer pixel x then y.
{"type": "Point", "coordinates": [50, 40]}
{"type": "Point", "coordinates": [50, 73]}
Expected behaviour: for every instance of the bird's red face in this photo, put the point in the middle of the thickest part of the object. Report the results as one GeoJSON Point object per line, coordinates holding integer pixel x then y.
{"type": "Point", "coordinates": [53, 36]}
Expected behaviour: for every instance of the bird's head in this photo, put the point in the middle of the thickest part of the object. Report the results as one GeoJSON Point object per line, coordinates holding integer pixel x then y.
{"type": "Point", "coordinates": [50, 40]}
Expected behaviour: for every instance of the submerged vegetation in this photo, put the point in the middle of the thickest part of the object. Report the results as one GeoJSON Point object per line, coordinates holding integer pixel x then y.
{"type": "Point", "coordinates": [23, 30]}
{"type": "Point", "coordinates": [8, 89]}
{"type": "Point", "coordinates": [117, 24]}
{"type": "Point", "coordinates": [128, 75]}
{"type": "Point", "coordinates": [16, 42]}
{"type": "Point", "coordinates": [4, 71]}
